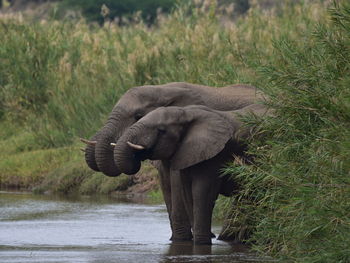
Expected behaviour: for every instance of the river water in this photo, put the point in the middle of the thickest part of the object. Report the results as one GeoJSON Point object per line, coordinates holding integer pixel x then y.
{"type": "Point", "coordinates": [39, 228]}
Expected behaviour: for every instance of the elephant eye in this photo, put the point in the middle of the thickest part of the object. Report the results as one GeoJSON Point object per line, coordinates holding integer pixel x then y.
{"type": "Point", "coordinates": [138, 116]}
{"type": "Point", "coordinates": [161, 130]}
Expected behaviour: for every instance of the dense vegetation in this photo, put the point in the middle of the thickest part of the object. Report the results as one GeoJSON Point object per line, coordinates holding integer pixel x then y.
{"type": "Point", "coordinates": [297, 195]}
{"type": "Point", "coordinates": [60, 80]}
{"type": "Point", "coordinates": [91, 9]}
{"type": "Point", "coordinates": [120, 11]}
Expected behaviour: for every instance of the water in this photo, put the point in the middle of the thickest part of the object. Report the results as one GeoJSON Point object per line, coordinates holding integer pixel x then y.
{"type": "Point", "coordinates": [88, 229]}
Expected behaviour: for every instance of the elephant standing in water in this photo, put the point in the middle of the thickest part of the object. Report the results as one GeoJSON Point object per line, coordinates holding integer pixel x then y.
{"type": "Point", "coordinates": [139, 101]}
{"type": "Point", "coordinates": [196, 141]}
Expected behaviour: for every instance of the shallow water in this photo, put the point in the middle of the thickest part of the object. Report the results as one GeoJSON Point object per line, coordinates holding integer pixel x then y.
{"type": "Point", "coordinates": [36, 228]}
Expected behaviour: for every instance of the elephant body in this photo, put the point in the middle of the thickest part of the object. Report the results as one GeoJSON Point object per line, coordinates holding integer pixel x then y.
{"type": "Point", "coordinates": [139, 101]}
{"type": "Point", "coordinates": [194, 143]}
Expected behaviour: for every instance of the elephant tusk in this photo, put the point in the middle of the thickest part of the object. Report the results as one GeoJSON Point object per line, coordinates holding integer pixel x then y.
{"type": "Point", "coordinates": [135, 146]}
{"type": "Point", "coordinates": [83, 150]}
{"type": "Point", "coordinates": [93, 143]}
{"type": "Point", "coordinates": [113, 144]}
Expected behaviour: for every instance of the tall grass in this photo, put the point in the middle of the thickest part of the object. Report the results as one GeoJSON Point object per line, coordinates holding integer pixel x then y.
{"type": "Point", "coordinates": [59, 81]}
{"type": "Point", "coordinates": [298, 192]}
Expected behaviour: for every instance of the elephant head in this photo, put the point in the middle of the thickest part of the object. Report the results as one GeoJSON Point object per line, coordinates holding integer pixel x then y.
{"type": "Point", "coordinates": [132, 106]}
{"type": "Point", "coordinates": [139, 101]}
{"type": "Point", "coordinates": [183, 135]}
{"type": "Point", "coordinates": [191, 140]}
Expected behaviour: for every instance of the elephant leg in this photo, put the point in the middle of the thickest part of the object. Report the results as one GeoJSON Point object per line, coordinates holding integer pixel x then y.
{"type": "Point", "coordinates": [164, 180]}
{"type": "Point", "coordinates": [186, 183]}
{"type": "Point", "coordinates": [205, 188]}
{"type": "Point", "coordinates": [181, 224]}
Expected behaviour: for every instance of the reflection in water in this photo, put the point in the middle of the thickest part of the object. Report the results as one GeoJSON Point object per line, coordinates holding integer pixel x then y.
{"type": "Point", "coordinates": [90, 229]}
{"type": "Point", "coordinates": [187, 248]}
{"type": "Point", "coordinates": [218, 252]}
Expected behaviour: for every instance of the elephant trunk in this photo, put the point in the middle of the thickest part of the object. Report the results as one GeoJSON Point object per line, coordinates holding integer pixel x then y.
{"type": "Point", "coordinates": [90, 154]}
{"type": "Point", "coordinates": [126, 157]}
{"type": "Point", "coordinates": [103, 149]}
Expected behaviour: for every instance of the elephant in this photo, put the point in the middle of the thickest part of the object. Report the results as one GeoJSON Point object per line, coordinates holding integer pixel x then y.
{"type": "Point", "coordinates": [138, 101]}
{"type": "Point", "coordinates": [195, 141]}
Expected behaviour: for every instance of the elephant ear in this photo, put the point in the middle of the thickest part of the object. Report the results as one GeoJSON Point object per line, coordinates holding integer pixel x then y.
{"type": "Point", "coordinates": [206, 135]}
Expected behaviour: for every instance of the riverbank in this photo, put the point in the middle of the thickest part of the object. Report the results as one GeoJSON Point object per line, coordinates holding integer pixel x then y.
{"type": "Point", "coordinates": [59, 81]}
{"type": "Point", "coordinates": [62, 170]}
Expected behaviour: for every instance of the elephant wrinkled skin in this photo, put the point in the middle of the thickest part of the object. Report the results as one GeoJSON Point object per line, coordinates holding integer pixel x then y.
{"type": "Point", "coordinates": [195, 142]}
{"type": "Point", "coordinates": [139, 101]}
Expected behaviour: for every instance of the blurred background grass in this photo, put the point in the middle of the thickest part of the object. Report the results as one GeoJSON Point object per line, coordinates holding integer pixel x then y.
{"type": "Point", "coordinates": [60, 79]}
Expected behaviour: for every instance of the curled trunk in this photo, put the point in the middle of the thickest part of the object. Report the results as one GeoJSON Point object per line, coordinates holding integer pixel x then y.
{"type": "Point", "coordinates": [104, 151]}
{"type": "Point", "coordinates": [90, 154]}
{"type": "Point", "coordinates": [125, 157]}
{"type": "Point", "coordinates": [110, 133]}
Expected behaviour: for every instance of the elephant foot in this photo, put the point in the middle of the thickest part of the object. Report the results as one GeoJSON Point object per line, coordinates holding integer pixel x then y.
{"type": "Point", "coordinates": [201, 240]}
{"type": "Point", "coordinates": [180, 239]}
{"type": "Point", "coordinates": [180, 234]}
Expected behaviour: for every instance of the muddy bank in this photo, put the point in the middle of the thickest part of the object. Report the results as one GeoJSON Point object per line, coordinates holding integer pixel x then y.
{"type": "Point", "coordinates": [77, 178]}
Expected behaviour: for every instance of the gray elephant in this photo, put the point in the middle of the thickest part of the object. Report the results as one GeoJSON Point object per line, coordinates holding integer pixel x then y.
{"type": "Point", "coordinates": [139, 101]}
{"type": "Point", "coordinates": [195, 142]}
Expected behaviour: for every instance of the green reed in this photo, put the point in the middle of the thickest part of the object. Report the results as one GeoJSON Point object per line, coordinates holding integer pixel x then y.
{"type": "Point", "coordinates": [59, 81]}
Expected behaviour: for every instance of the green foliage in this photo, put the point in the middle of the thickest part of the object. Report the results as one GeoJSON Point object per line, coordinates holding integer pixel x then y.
{"type": "Point", "coordinates": [155, 196]}
{"type": "Point", "coordinates": [27, 58]}
{"type": "Point", "coordinates": [50, 84]}
{"type": "Point", "coordinates": [299, 187]}
{"type": "Point", "coordinates": [98, 183]}
{"type": "Point", "coordinates": [76, 177]}
{"type": "Point", "coordinates": [91, 9]}
{"type": "Point", "coordinates": [240, 6]}
{"type": "Point", "coordinates": [65, 179]}
{"type": "Point", "coordinates": [59, 81]}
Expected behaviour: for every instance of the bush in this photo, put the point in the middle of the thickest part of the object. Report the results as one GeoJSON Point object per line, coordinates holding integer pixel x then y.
{"type": "Point", "coordinates": [59, 81]}
{"type": "Point", "coordinates": [240, 6]}
{"type": "Point", "coordinates": [91, 9]}
{"type": "Point", "coordinates": [299, 187]}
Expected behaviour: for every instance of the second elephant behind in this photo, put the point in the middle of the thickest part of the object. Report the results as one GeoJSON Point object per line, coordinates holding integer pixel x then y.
{"type": "Point", "coordinates": [139, 101]}
{"type": "Point", "coordinates": [195, 142]}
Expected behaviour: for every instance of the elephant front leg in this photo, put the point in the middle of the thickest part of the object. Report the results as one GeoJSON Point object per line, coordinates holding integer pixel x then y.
{"type": "Point", "coordinates": [165, 185]}
{"type": "Point", "coordinates": [181, 224]}
{"type": "Point", "coordinates": [204, 193]}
